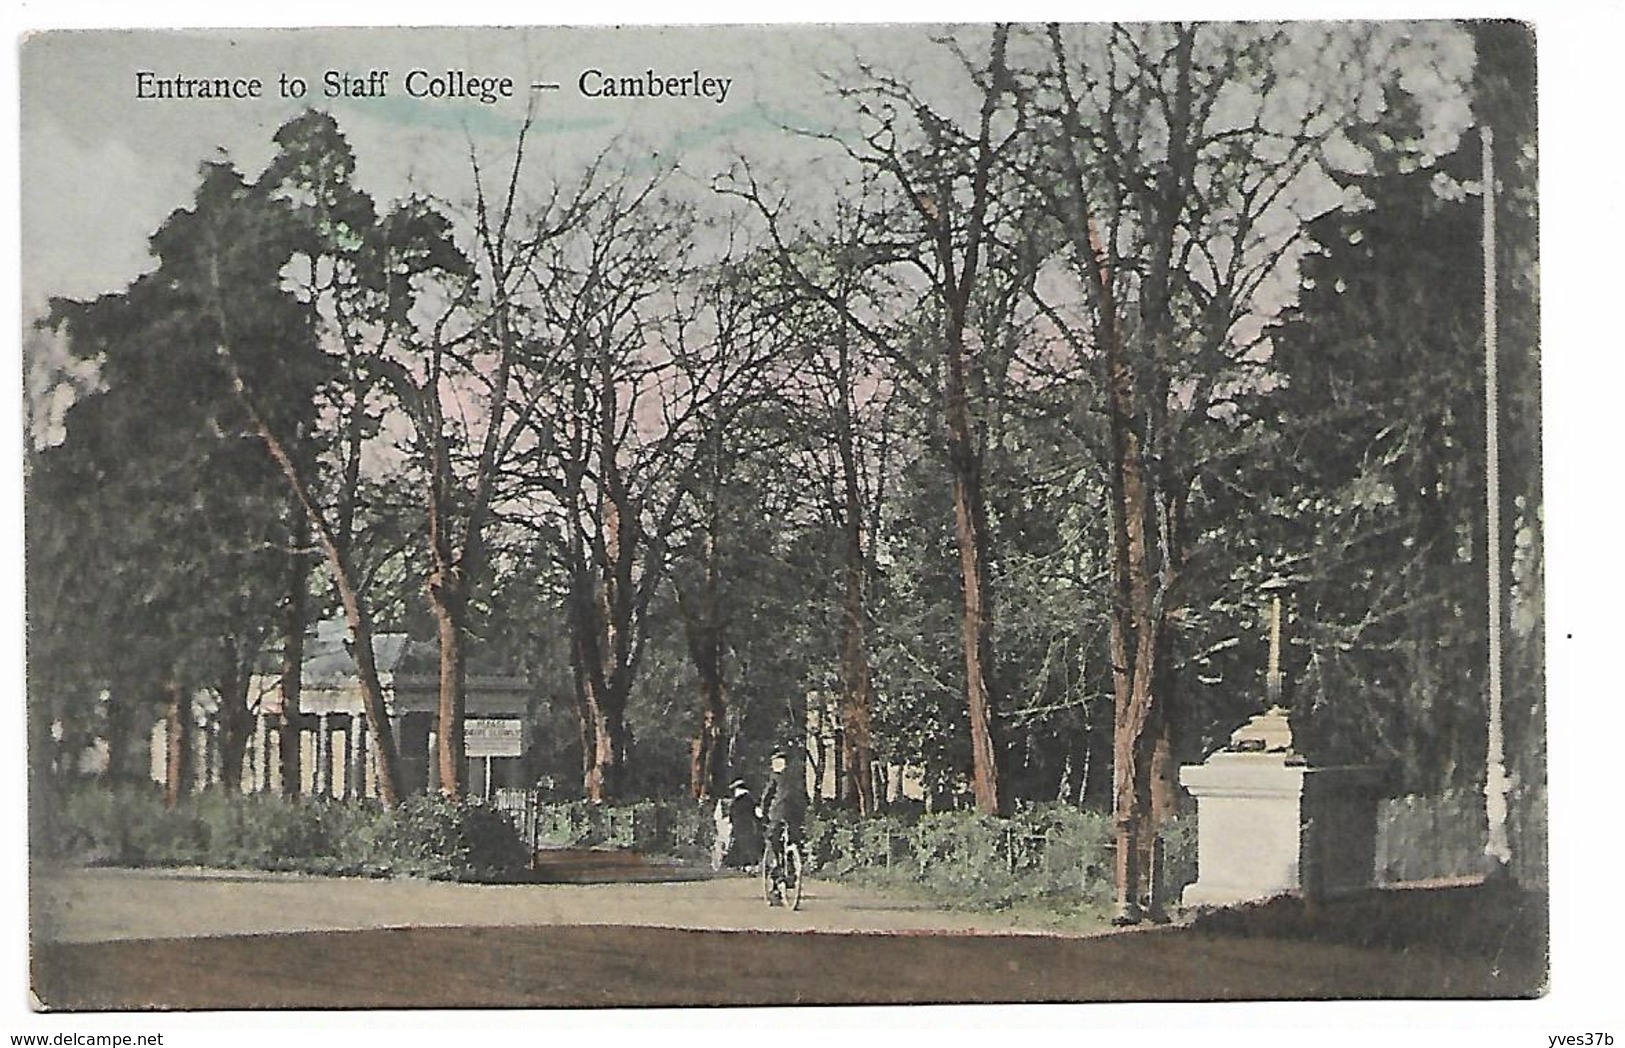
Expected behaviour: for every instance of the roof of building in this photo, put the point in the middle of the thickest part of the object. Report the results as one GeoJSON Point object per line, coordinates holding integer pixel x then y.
{"type": "Point", "coordinates": [328, 658]}
{"type": "Point", "coordinates": [408, 670]}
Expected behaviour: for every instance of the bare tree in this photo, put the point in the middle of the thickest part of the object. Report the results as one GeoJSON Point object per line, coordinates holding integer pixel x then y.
{"type": "Point", "coordinates": [609, 450]}
{"type": "Point", "coordinates": [948, 181]}
{"type": "Point", "coordinates": [839, 397]}
{"type": "Point", "coordinates": [730, 357]}
{"type": "Point", "coordinates": [460, 381]}
{"type": "Point", "coordinates": [1188, 163]}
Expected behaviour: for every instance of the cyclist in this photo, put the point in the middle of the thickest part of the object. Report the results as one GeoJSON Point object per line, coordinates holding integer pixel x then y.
{"type": "Point", "coordinates": [784, 806]}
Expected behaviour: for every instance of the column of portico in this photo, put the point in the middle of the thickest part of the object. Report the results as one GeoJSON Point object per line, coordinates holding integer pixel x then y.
{"type": "Point", "coordinates": [359, 751]}
{"type": "Point", "coordinates": [323, 783]}
{"type": "Point", "coordinates": [269, 759]}
{"type": "Point", "coordinates": [341, 762]}
{"type": "Point", "coordinates": [255, 778]}
{"type": "Point", "coordinates": [397, 730]}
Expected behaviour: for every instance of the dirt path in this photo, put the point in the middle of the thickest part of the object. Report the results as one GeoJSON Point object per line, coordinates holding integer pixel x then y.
{"type": "Point", "coordinates": [102, 905]}
{"type": "Point", "coordinates": [114, 940]}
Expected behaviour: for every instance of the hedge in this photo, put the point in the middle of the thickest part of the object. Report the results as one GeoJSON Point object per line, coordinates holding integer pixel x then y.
{"type": "Point", "coordinates": [1045, 854]}
{"type": "Point", "coordinates": [424, 836]}
{"type": "Point", "coordinates": [1051, 855]}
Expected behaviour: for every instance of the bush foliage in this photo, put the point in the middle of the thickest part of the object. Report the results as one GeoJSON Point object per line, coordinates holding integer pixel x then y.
{"type": "Point", "coordinates": [1053, 856]}
{"type": "Point", "coordinates": [425, 836]}
{"type": "Point", "coordinates": [1049, 855]}
{"type": "Point", "coordinates": [684, 829]}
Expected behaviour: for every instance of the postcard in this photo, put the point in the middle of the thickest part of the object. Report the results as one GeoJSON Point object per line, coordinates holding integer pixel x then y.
{"type": "Point", "coordinates": [783, 515]}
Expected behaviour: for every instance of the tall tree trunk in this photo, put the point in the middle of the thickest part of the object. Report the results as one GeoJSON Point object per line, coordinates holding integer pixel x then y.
{"type": "Point", "coordinates": [448, 597]}
{"type": "Point", "coordinates": [372, 694]}
{"type": "Point", "coordinates": [1138, 711]}
{"type": "Point", "coordinates": [451, 745]}
{"type": "Point", "coordinates": [857, 742]}
{"type": "Point", "coordinates": [857, 785]}
{"type": "Point", "coordinates": [976, 620]}
{"type": "Point", "coordinates": [605, 779]}
{"type": "Point", "coordinates": [355, 609]}
{"type": "Point", "coordinates": [1153, 492]}
{"type": "Point", "coordinates": [447, 586]}
{"type": "Point", "coordinates": [236, 721]}
{"type": "Point", "coordinates": [705, 625]}
{"type": "Point", "coordinates": [454, 573]}
{"type": "Point", "coordinates": [602, 716]}
{"type": "Point", "coordinates": [124, 758]}
{"type": "Point", "coordinates": [578, 692]}
{"type": "Point", "coordinates": [959, 229]}
{"type": "Point", "coordinates": [605, 609]}
{"type": "Point", "coordinates": [1133, 630]}
{"type": "Point", "coordinates": [958, 285]}
{"type": "Point", "coordinates": [177, 744]}
{"type": "Point", "coordinates": [706, 642]}
{"type": "Point", "coordinates": [1139, 617]}
{"type": "Point", "coordinates": [295, 611]}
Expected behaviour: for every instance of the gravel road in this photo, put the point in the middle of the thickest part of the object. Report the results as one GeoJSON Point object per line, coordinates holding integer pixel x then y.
{"type": "Point", "coordinates": [103, 905]}
{"type": "Point", "coordinates": [200, 939]}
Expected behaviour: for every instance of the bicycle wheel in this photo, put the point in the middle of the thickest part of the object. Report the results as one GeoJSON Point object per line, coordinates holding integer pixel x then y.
{"type": "Point", "coordinates": [770, 889]}
{"type": "Point", "coordinates": [792, 876]}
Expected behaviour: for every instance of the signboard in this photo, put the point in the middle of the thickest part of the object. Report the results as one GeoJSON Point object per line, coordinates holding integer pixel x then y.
{"type": "Point", "coordinates": [493, 736]}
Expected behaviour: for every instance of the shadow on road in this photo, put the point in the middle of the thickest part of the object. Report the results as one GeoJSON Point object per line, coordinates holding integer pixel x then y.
{"type": "Point", "coordinates": [1459, 943]}
{"type": "Point", "coordinates": [605, 866]}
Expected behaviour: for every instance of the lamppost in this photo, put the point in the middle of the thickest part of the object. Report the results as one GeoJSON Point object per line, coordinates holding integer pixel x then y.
{"type": "Point", "coordinates": [1497, 846]}
{"type": "Point", "coordinates": [1271, 730]}
{"type": "Point", "coordinates": [1273, 587]}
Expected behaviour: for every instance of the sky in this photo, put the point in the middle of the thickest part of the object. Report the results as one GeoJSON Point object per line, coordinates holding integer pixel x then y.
{"type": "Point", "coordinates": [103, 162]}
{"type": "Point", "coordinates": [101, 167]}
{"type": "Point", "coordinates": [100, 172]}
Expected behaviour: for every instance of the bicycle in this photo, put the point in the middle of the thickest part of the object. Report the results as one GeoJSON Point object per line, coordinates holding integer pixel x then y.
{"type": "Point", "coordinates": [782, 880]}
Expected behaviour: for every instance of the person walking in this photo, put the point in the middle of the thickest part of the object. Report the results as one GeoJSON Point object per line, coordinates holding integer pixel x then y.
{"type": "Point", "coordinates": [744, 828]}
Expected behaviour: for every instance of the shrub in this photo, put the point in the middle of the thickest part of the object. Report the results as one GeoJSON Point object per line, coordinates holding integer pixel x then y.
{"type": "Point", "coordinates": [1050, 855]}
{"type": "Point", "coordinates": [690, 829]}
{"type": "Point", "coordinates": [261, 832]}
{"type": "Point", "coordinates": [679, 828]}
{"type": "Point", "coordinates": [126, 825]}
{"type": "Point", "coordinates": [424, 836]}
{"type": "Point", "coordinates": [1179, 854]}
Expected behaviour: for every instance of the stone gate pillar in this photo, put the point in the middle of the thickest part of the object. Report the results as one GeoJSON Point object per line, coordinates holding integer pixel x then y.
{"type": "Point", "coordinates": [1268, 822]}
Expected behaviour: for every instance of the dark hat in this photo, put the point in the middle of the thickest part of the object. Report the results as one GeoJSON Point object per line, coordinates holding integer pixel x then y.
{"type": "Point", "coordinates": [737, 784]}
{"type": "Point", "coordinates": [778, 754]}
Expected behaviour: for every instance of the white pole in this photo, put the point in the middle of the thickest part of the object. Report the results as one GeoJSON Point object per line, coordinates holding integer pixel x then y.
{"type": "Point", "coordinates": [1272, 680]}
{"type": "Point", "coordinates": [1497, 847]}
